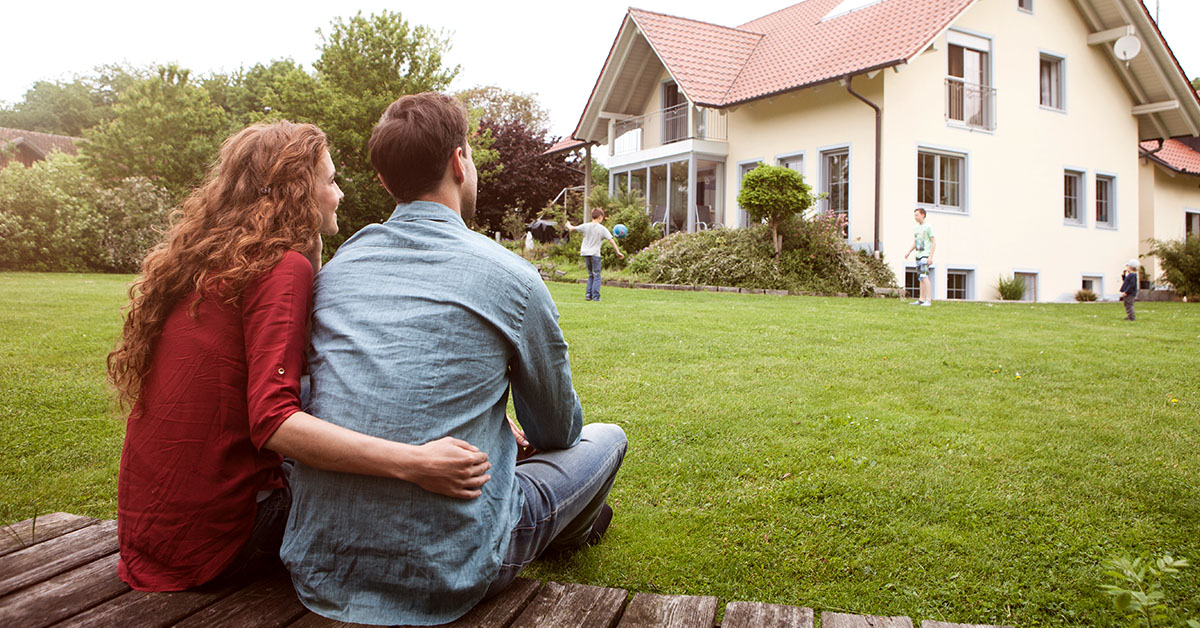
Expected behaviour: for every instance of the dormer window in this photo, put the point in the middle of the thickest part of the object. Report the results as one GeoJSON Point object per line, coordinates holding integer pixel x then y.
{"type": "Point", "coordinates": [848, 6]}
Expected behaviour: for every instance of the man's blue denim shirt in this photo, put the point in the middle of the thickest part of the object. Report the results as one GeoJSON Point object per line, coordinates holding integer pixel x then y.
{"type": "Point", "coordinates": [420, 326]}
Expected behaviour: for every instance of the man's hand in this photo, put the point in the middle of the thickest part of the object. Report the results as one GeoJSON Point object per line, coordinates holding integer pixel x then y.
{"type": "Point", "coordinates": [451, 467]}
{"type": "Point", "coordinates": [524, 449]}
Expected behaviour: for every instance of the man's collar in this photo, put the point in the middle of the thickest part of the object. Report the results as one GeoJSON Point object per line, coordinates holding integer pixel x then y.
{"type": "Point", "coordinates": [425, 210]}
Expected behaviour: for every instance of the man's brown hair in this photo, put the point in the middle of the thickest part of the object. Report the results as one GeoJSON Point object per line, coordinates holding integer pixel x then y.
{"type": "Point", "coordinates": [597, 213]}
{"type": "Point", "coordinates": [413, 141]}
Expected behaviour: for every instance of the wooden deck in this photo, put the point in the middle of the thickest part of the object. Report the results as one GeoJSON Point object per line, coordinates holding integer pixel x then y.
{"type": "Point", "coordinates": [61, 570]}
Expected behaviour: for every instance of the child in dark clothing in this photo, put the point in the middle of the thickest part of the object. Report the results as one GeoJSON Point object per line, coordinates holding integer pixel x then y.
{"type": "Point", "coordinates": [1129, 287]}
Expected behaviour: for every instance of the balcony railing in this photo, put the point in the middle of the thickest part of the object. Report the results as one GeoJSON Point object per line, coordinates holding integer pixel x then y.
{"type": "Point", "coordinates": [971, 104]}
{"type": "Point", "coordinates": [666, 126]}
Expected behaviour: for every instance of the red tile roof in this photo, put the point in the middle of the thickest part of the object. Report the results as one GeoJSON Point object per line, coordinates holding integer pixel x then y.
{"type": "Point", "coordinates": [1180, 154]}
{"type": "Point", "coordinates": [564, 145]}
{"type": "Point", "coordinates": [791, 48]}
{"type": "Point", "coordinates": [44, 143]}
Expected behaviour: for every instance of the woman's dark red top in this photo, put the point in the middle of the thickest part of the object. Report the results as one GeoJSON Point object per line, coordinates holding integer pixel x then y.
{"type": "Point", "coordinates": [218, 387]}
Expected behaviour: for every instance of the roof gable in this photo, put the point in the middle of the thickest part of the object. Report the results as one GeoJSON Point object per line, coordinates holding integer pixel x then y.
{"type": "Point", "coordinates": [704, 59]}
{"type": "Point", "coordinates": [41, 143]}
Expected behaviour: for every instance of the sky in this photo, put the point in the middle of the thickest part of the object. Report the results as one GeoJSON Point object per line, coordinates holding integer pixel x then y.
{"type": "Point", "coordinates": [553, 49]}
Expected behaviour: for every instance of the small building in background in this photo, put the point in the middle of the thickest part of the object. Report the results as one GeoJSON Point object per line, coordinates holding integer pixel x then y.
{"type": "Point", "coordinates": [30, 146]}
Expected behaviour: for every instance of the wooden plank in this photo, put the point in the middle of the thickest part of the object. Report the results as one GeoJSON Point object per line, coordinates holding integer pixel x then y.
{"type": "Point", "coordinates": [266, 603]}
{"type": "Point", "coordinates": [928, 623]}
{"type": "Point", "coordinates": [497, 612]}
{"type": "Point", "coordinates": [146, 610]}
{"type": "Point", "coordinates": [650, 610]}
{"type": "Point", "coordinates": [63, 596]}
{"type": "Point", "coordinates": [29, 532]}
{"type": "Point", "coordinates": [842, 620]}
{"type": "Point", "coordinates": [573, 606]}
{"type": "Point", "coordinates": [758, 615]}
{"type": "Point", "coordinates": [49, 558]}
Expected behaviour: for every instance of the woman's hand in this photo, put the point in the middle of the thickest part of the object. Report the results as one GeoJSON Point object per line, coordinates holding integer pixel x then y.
{"type": "Point", "coordinates": [450, 467]}
{"type": "Point", "coordinates": [313, 252]}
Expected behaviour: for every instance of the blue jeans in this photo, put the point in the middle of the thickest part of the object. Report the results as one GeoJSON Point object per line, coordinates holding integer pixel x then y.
{"type": "Point", "coordinates": [593, 284]}
{"type": "Point", "coordinates": [564, 492]}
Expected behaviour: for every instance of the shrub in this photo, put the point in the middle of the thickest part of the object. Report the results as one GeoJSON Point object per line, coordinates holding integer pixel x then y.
{"type": "Point", "coordinates": [1012, 289]}
{"type": "Point", "coordinates": [814, 259]}
{"type": "Point", "coordinates": [1181, 263]}
{"type": "Point", "coordinates": [774, 194]}
{"type": "Point", "coordinates": [55, 217]}
{"type": "Point", "coordinates": [1084, 296]}
{"type": "Point", "coordinates": [48, 220]}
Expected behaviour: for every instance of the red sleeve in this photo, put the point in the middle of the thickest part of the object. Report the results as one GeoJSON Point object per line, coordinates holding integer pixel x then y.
{"type": "Point", "coordinates": [275, 311]}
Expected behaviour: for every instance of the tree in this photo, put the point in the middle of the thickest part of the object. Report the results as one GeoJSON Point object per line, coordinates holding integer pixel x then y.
{"type": "Point", "coordinates": [1196, 83]}
{"type": "Point", "coordinates": [774, 194]}
{"type": "Point", "coordinates": [164, 128]}
{"type": "Point", "coordinates": [365, 64]}
{"type": "Point", "coordinates": [68, 108]}
{"type": "Point", "coordinates": [529, 181]}
{"type": "Point", "coordinates": [500, 105]}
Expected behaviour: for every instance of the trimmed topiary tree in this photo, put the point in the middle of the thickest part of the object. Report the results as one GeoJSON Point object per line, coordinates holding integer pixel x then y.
{"type": "Point", "coordinates": [774, 194]}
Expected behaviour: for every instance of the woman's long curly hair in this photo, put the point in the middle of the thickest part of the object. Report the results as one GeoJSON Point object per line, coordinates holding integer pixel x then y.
{"type": "Point", "coordinates": [258, 202]}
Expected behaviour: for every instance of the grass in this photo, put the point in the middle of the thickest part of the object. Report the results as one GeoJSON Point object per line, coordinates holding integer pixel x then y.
{"type": "Point", "coordinates": [967, 462]}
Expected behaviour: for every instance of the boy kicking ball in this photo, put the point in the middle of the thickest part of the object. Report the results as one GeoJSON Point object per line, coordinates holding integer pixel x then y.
{"type": "Point", "coordinates": [924, 244]}
{"type": "Point", "coordinates": [594, 235]}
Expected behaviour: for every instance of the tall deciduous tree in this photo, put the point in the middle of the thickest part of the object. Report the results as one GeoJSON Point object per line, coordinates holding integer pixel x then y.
{"type": "Point", "coordinates": [165, 129]}
{"type": "Point", "coordinates": [774, 194]}
{"type": "Point", "coordinates": [500, 105]}
{"type": "Point", "coordinates": [522, 180]}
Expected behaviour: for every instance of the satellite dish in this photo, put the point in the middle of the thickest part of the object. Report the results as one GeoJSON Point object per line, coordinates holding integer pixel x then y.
{"type": "Point", "coordinates": [1127, 48]}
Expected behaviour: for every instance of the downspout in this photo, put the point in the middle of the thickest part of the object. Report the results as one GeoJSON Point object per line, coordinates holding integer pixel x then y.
{"type": "Point", "coordinates": [878, 154]}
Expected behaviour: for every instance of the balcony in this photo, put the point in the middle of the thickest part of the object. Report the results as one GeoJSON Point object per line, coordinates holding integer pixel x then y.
{"type": "Point", "coordinates": [668, 126]}
{"type": "Point", "coordinates": [970, 104]}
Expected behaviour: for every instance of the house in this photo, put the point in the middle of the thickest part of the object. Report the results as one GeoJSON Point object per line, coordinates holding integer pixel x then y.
{"type": "Point", "coordinates": [30, 146]}
{"type": "Point", "coordinates": [1014, 123]}
{"type": "Point", "coordinates": [1170, 192]}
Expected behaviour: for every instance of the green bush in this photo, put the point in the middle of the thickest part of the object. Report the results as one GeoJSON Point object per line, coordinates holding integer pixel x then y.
{"type": "Point", "coordinates": [55, 217]}
{"type": "Point", "coordinates": [814, 259]}
{"type": "Point", "coordinates": [1012, 289]}
{"type": "Point", "coordinates": [1084, 296]}
{"type": "Point", "coordinates": [1181, 263]}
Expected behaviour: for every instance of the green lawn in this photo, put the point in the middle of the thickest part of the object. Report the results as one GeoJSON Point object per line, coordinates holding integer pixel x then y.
{"type": "Point", "coordinates": [844, 454]}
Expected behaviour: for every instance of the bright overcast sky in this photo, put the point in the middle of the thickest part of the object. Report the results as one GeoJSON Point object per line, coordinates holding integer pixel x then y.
{"type": "Point", "coordinates": [551, 48]}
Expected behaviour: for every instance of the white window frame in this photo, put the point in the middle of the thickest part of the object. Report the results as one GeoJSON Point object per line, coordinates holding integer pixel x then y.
{"type": "Point", "coordinates": [743, 217]}
{"type": "Point", "coordinates": [1025, 6]}
{"type": "Point", "coordinates": [968, 284]}
{"type": "Point", "coordinates": [1080, 219]}
{"type": "Point", "coordinates": [1037, 282]}
{"type": "Point", "coordinates": [940, 153]}
{"type": "Point", "coordinates": [913, 270]}
{"type": "Point", "coordinates": [1111, 223]}
{"type": "Point", "coordinates": [1187, 218]}
{"type": "Point", "coordinates": [779, 159]}
{"type": "Point", "coordinates": [979, 42]}
{"type": "Point", "coordinates": [1060, 61]}
{"type": "Point", "coordinates": [1097, 280]}
{"type": "Point", "coordinates": [824, 178]}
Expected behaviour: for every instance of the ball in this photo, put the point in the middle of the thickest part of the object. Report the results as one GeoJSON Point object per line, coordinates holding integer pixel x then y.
{"type": "Point", "coordinates": [620, 231]}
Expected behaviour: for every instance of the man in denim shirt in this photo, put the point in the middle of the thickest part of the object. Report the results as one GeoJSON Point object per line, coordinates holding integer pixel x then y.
{"type": "Point", "coordinates": [420, 328]}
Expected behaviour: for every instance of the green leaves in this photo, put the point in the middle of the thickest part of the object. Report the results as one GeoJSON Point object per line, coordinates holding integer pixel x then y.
{"type": "Point", "coordinates": [1138, 590]}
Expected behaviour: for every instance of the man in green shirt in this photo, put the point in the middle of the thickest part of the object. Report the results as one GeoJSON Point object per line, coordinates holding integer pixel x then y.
{"type": "Point", "coordinates": [924, 244]}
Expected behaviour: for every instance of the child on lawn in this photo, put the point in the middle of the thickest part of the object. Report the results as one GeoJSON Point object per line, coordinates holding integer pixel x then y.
{"type": "Point", "coordinates": [594, 235]}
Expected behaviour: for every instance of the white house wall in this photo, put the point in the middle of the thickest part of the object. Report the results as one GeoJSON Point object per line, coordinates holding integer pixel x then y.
{"type": "Point", "coordinates": [809, 122]}
{"type": "Point", "coordinates": [1014, 182]}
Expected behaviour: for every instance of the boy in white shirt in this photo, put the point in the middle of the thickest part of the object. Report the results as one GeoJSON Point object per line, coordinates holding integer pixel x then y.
{"type": "Point", "coordinates": [594, 235]}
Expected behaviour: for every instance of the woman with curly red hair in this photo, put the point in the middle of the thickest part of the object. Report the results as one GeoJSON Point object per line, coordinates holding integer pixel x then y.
{"type": "Point", "coordinates": [210, 361]}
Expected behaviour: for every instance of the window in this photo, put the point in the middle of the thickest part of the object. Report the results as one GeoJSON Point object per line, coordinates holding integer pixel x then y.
{"type": "Point", "coordinates": [1025, 5]}
{"type": "Point", "coordinates": [1072, 197]}
{"type": "Point", "coordinates": [793, 162]}
{"type": "Point", "coordinates": [1030, 280]}
{"type": "Point", "coordinates": [674, 114]}
{"type": "Point", "coordinates": [940, 180]}
{"type": "Point", "coordinates": [1191, 223]}
{"type": "Point", "coordinates": [1050, 81]}
{"type": "Point", "coordinates": [835, 182]}
{"type": "Point", "coordinates": [1105, 186]}
{"type": "Point", "coordinates": [1094, 284]}
{"type": "Point", "coordinates": [743, 168]}
{"type": "Point", "coordinates": [912, 283]}
{"type": "Point", "coordinates": [970, 99]}
{"type": "Point", "coordinates": [958, 284]}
